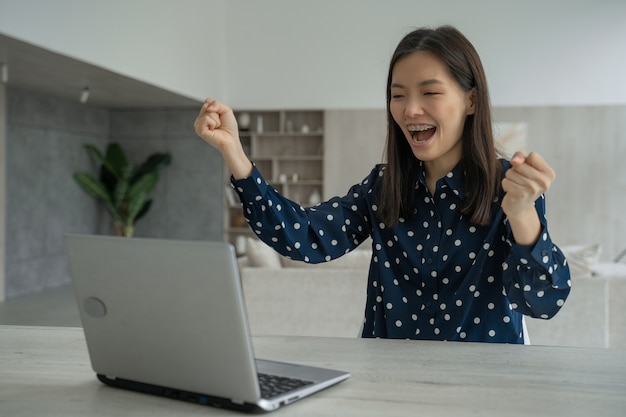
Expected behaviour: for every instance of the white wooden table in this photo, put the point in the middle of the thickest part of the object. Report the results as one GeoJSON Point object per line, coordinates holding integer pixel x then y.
{"type": "Point", "coordinates": [45, 371]}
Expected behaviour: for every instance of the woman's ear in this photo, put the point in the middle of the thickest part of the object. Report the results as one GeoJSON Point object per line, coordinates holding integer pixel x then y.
{"type": "Point", "coordinates": [470, 101]}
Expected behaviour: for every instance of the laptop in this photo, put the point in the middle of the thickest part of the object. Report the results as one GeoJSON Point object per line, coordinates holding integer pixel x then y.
{"type": "Point", "coordinates": [168, 318]}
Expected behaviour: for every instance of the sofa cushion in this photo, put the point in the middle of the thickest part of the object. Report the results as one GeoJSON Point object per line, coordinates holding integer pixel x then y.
{"type": "Point", "coordinates": [261, 255]}
{"type": "Point", "coordinates": [581, 258]}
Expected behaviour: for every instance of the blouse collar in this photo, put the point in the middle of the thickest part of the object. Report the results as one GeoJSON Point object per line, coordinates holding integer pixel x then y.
{"type": "Point", "coordinates": [454, 180]}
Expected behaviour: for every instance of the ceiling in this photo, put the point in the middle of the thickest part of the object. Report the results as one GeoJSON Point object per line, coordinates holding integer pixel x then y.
{"type": "Point", "coordinates": [39, 70]}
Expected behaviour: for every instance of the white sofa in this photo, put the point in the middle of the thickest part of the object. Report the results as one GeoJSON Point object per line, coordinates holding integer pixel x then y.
{"type": "Point", "coordinates": [593, 314]}
{"type": "Point", "coordinates": [292, 298]}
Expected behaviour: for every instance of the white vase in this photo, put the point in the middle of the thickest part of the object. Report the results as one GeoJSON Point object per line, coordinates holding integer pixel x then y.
{"type": "Point", "coordinates": [244, 121]}
{"type": "Point", "coordinates": [315, 197]}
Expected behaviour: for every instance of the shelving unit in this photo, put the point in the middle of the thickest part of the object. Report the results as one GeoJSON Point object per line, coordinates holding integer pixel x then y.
{"type": "Point", "coordinates": [287, 147]}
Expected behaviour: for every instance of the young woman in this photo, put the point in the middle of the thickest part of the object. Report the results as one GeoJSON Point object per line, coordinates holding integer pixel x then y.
{"type": "Point", "coordinates": [461, 249]}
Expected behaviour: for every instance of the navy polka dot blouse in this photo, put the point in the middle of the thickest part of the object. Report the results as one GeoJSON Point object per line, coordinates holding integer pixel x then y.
{"type": "Point", "coordinates": [434, 275]}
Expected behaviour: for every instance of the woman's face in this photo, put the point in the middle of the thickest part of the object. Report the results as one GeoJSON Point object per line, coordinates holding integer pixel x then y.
{"type": "Point", "coordinates": [430, 108]}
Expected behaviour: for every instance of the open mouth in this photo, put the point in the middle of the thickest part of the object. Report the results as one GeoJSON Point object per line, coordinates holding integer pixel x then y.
{"type": "Point", "coordinates": [421, 133]}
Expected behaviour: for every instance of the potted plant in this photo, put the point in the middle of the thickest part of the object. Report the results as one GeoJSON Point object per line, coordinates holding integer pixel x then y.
{"type": "Point", "coordinates": [122, 187]}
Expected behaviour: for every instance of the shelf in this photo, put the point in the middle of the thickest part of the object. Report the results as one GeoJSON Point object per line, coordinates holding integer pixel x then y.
{"type": "Point", "coordinates": [299, 158]}
{"type": "Point", "coordinates": [287, 147]}
{"type": "Point", "coordinates": [287, 158]}
{"type": "Point", "coordinates": [280, 135]}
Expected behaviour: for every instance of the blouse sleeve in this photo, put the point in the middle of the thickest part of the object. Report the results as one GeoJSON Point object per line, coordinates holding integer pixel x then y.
{"type": "Point", "coordinates": [315, 234]}
{"type": "Point", "coordinates": [536, 277]}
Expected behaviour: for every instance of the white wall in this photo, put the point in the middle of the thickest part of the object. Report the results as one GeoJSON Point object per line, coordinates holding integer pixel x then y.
{"type": "Point", "coordinates": [332, 54]}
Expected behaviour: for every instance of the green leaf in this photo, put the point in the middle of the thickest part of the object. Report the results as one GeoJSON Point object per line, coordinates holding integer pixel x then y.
{"type": "Point", "coordinates": [154, 163]}
{"type": "Point", "coordinates": [121, 188]}
{"type": "Point", "coordinates": [114, 212]}
{"type": "Point", "coordinates": [145, 184]}
{"type": "Point", "coordinates": [116, 158]}
{"type": "Point", "coordinates": [134, 206]}
{"type": "Point", "coordinates": [95, 153]}
{"type": "Point", "coordinates": [144, 210]}
{"type": "Point", "coordinates": [92, 186]}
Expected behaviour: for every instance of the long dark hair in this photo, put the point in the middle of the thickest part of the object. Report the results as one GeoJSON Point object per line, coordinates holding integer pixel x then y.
{"type": "Point", "coordinates": [480, 162]}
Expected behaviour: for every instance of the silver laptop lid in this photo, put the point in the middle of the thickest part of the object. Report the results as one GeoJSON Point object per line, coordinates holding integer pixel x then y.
{"type": "Point", "coordinates": [164, 312]}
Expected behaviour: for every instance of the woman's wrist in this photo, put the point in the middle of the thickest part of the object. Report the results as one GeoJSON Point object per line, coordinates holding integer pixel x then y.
{"type": "Point", "coordinates": [237, 162]}
{"type": "Point", "coordinates": [525, 226]}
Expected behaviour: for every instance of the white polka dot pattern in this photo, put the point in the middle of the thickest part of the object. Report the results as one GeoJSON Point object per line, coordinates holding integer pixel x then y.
{"type": "Point", "coordinates": [433, 275]}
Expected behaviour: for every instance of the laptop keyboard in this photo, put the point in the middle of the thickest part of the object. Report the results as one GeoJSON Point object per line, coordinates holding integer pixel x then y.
{"type": "Point", "coordinates": [273, 385]}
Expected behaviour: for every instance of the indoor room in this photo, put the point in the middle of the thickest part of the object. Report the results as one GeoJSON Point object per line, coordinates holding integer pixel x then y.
{"type": "Point", "coordinates": [307, 84]}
